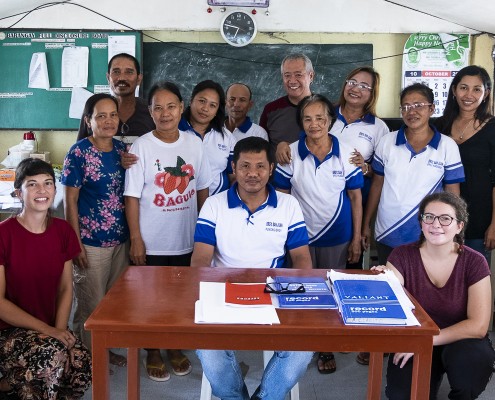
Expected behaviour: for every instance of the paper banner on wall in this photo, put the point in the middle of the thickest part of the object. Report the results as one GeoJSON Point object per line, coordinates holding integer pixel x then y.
{"type": "Point", "coordinates": [75, 66]}
{"type": "Point", "coordinates": [434, 59]}
{"type": "Point", "coordinates": [121, 44]}
{"type": "Point", "coordinates": [78, 99]}
{"type": "Point", "coordinates": [38, 72]}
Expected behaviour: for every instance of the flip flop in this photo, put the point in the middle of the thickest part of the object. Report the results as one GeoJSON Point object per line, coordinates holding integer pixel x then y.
{"type": "Point", "coordinates": [363, 358]}
{"type": "Point", "coordinates": [117, 359]}
{"type": "Point", "coordinates": [178, 363]}
{"type": "Point", "coordinates": [160, 367]}
{"type": "Point", "coordinates": [324, 358]}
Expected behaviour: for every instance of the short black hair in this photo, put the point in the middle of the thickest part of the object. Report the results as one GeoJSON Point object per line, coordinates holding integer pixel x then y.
{"type": "Point", "coordinates": [89, 107]}
{"type": "Point", "coordinates": [420, 88]}
{"type": "Point", "coordinates": [165, 85]}
{"type": "Point", "coordinates": [31, 167]}
{"type": "Point", "coordinates": [129, 57]}
{"type": "Point", "coordinates": [252, 144]}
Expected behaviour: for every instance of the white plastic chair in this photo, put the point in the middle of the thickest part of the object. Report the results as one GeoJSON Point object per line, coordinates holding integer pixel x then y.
{"type": "Point", "coordinates": [267, 355]}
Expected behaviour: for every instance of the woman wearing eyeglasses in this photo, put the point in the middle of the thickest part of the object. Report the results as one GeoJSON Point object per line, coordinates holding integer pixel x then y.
{"type": "Point", "coordinates": [452, 284]}
{"type": "Point", "coordinates": [467, 119]}
{"type": "Point", "coordinates": [357, 124]}
{"type": "Point", "coordinates": [408, 164]}
{"type": "Point", "coordinates": [328, 187]}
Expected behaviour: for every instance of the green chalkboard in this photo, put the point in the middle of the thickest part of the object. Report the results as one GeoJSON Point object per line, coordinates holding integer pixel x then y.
{"type": "Point", "coordinates": [22, 107]}
{"type": "Point", "coordinates": [257, 65]}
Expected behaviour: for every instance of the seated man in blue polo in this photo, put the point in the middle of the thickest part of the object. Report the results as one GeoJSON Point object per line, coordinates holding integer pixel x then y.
{"type": "Point", "coordinates": [251, 226]}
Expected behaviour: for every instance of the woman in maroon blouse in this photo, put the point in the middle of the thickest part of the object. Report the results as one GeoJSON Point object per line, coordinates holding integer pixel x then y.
{"type": "Point", "coordinates": [452, 283]}
{"type": "Point", "coordinates": [40, 358]}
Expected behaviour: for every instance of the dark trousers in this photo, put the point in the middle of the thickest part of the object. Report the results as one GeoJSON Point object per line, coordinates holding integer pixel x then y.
{"type": "Point", "coordinates": [183, 260]}
{"type": "Point", "coordinates": [383, 252]}
{"type": "Point", "coordinates": [468, 363]}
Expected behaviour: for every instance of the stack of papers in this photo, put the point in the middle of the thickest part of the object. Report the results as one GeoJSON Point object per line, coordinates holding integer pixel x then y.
{"type": "Point", "coordinates": [211, 308]}
{"type": "Point", "coordinates": [372, 299]}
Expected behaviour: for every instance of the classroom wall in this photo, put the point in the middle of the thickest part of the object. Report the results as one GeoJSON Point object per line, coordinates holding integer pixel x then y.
{"type": "Point", "coordinates": [187, 21]}
{"type": "Point", "coordinates": [370, 16]}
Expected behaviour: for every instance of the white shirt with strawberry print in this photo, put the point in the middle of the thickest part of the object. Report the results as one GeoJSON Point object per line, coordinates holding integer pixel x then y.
{"type": "Point", "coordinates": [166, 179]}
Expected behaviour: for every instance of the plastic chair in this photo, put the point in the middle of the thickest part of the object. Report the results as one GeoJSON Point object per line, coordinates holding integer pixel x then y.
{"type": "Point", "coordinates": [267, 355]}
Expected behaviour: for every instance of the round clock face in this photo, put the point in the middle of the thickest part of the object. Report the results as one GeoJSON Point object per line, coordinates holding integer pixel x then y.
{"type": "Point", "coordinates": [238, 28]}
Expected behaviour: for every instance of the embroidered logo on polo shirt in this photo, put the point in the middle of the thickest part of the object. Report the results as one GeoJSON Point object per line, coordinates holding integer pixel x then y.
{"type": "Point", "coordinates": [365, 136]}
{"type": "Point", "coordinates": [338, 174]}
{"type": "Point", "coordinates": [222, 147]}
{"type": "Point", "coordinates": [435, 164]}
{"type": "Point", "coordinates": [274, 226]}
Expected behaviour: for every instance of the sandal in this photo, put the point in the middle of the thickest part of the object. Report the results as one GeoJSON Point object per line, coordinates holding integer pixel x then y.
{"type": "Point", "coordinates": [159, 367]}
{"type": "Point", "coordinates": [180, 363]}
{"type": "Point", "coordinates": [321, 363]}
{"type": "Point", "coordinates": [363, 358]}
{"type": "Point", "coordinates": [117, 359]}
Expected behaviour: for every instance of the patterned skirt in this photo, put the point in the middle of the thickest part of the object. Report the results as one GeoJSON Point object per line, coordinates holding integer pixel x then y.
{"type": "Point", "coordinates": [38, 366]}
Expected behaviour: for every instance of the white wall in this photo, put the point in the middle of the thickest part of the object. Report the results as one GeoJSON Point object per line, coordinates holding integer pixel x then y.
{"type": "Point", "coordinates": [367, 16]}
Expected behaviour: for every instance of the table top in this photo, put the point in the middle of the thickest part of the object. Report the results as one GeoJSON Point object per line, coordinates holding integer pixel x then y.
{"type": "Point", "coordinates": [161, 299]}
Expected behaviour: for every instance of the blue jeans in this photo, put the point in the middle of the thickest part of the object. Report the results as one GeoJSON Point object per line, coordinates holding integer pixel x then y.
{"type": "Point", "coordinates": [478, 245]}
{"type": "Point", "coordinates": [283, 371]}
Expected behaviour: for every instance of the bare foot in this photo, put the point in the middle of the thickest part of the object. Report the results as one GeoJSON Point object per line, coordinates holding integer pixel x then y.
{"type": "Point", "coordinates": [155, 367]}
{"type": "Point", "coordinates": [326, 363]}
{"type": "Point", "coordinates": [180, 363]}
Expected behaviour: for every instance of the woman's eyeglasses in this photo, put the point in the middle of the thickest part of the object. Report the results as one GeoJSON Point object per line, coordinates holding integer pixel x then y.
{"type": "Point", "coordinates": [444, 219]}
{"type": "Point", "coordinates": [361, 86]}
{"type": "Point", "coordinates": [416, 106]}
{"type": "Point", "coordinates": [284, 288]}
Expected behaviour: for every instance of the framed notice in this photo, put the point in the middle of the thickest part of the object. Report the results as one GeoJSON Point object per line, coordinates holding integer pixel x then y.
{"type": "Point", "coordinates": [240, 3]}
{"type": "Point", "coordinates": [434, 59]}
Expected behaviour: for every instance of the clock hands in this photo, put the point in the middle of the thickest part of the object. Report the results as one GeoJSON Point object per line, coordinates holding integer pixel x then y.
{"type": "Point", "coordinates": [235, 27]}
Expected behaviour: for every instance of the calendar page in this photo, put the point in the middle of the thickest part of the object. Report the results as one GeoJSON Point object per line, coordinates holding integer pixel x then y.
{"type": "Point", "coordinates": [434, 59]}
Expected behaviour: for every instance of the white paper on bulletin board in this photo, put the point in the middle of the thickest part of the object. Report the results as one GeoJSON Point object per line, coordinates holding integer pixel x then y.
{"type": "Point", "coordinates": [121, 44]}
{"type": "Point", "coordinates": [434, 59]}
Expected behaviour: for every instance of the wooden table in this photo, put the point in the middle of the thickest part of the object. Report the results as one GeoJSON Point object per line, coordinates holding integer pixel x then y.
{"type": "Point", "coordinates": [153, 307]}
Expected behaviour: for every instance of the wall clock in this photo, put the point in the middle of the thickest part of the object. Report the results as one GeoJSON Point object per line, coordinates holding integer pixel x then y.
{"type": "Point", "coordinates": [238, 28]}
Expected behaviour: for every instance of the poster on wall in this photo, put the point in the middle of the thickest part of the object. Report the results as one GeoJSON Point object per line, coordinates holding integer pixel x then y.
{"type": "Point", "coordinates": [434, 59]}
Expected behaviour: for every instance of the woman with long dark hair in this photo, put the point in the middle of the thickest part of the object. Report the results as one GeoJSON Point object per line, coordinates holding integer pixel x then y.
{"type": "Point", "coordinates": [467, 119]}
{"type": "Point", "coordinates": [204, 117]}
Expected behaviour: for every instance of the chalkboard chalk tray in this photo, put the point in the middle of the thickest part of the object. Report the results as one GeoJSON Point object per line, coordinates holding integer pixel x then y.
{"type": "Point", "coordinates": [22, 107]}
{"type": "Point", "coordinates": [257, 65]}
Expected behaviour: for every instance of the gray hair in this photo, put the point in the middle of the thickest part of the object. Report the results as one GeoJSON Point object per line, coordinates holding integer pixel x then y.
{"type": "Point", "coordinates": [297, 56]}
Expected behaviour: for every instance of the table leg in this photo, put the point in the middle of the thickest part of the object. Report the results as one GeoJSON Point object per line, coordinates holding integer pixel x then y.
{"type": "Point", "coordinates": [133, 373]}
{"type": "Point", "coordinates": [100, 367]}
{"type": "Point", "coordinates": [375, 376]}
{"type": "Point", "coordinates": [420, 385]}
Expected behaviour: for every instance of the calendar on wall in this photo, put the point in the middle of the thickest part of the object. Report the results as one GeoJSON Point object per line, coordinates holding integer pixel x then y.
{"type": "Point", "coordinates": [434, 59]}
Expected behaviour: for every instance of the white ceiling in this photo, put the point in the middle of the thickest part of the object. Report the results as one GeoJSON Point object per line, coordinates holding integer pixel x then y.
{"type": "Point", "coordinates": [373, 16]}
{"type": "Point", "coordinates": [475, 14]}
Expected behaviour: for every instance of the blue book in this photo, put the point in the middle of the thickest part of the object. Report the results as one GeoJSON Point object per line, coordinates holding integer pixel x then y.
{"type": "Point", "coordinates": [368, 302]}
{"type": "Point", "coordinates": [317, 293]}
